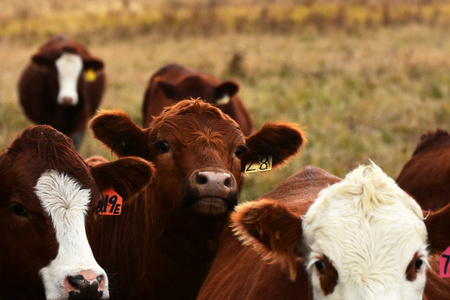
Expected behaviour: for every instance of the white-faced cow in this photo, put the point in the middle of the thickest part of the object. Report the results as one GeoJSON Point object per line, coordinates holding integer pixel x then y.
{"type": "Point", "coordinates": [162, 245]}
{"type": "Point", "coordinates": [62, 86]}
{"type": "Point", "coordinates": [359, 238]}
{"type": "Point", "coordinates": [174, 82]}
{"type": "Point", "coordinates": [47, 197]}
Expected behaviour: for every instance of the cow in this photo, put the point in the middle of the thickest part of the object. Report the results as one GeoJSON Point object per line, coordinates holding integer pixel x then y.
{"type": "Point", "coordinates": [48, 196]}
{"type": "Point", "coordinates": [62, 86]}
{"type": "Point", "coordinates": [426, 176]}
{"type": "Point", "coordinates": [174, 82]}
{"type": "Point", "coordinates": [163, 244]}
{"type": "Point", "coordinates": [319, 237]}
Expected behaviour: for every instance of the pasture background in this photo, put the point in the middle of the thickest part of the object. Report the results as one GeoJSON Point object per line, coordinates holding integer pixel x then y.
{"type": "Point", "coordinates": [364, 78]}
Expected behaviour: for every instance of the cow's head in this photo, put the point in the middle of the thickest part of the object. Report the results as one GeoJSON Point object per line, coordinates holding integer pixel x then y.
{"type": "Point", "coordinates": [199, 152]}
{"type": "Point", "coordinates": [363, 238]}
{"type": "Point", "coordinates": [196, 86]}
{"type": "Point", "coordinates": [71, 60]}
{"type": "Point", "coordinates": [46, 193]}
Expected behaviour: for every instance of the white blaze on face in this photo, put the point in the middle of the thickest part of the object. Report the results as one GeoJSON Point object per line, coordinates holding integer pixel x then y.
{"type": "Point", "coordinates": [69, 68]}
{"type": "Point", "coordinates": [370, 231]}
{"type": "Point", "coordinates": [63, 199]}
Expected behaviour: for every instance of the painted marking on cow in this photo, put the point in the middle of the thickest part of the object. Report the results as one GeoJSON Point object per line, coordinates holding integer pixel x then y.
{"type": "Point", "coordinates": [264, 163]}
{"type": "Point", "coordinates": [444, 263]}
{"type": "Point", "coordinates": [69, 68]}
{"type": "Point", "coordinates": [111, 204]}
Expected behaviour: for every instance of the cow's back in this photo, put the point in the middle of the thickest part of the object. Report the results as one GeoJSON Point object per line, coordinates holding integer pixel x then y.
{"type": "Point", "coordinates": [426, 176]}
{"type": "Point", "coordinates": [239, 272]}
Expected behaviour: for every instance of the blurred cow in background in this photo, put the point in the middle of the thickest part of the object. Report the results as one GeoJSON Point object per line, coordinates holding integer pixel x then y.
{"type": "Point", "coordinates": [426, 176]}
{"type": "Point", "coordinates": [62, 86]}
{"type": "Point", "coordinates": [174, 82]}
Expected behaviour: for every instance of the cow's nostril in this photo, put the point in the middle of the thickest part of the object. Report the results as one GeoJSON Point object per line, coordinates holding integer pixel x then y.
{"type": "Point", "coordinates": [201, 179]}
{"type": "Point", "coordinates": [99, 278]}
{"type": "Point", "coordinates": [77, 281]}
{"type": "Point", "coordinates": [227, 182]}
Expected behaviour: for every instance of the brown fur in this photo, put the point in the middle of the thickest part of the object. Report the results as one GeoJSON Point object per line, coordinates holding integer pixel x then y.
{"type": "Point", "coordinates": [329, 277]}
{"type": "Point", "coordinates": [426, 176]}
{"type": "Point", "coordinates": [173, 83]}
{"type": "Point", "coordinates": [29, 243]}
{"type": "Point", "coordinates": [167, 243]}
{"type": "Point", "coordinates": [38, 89]}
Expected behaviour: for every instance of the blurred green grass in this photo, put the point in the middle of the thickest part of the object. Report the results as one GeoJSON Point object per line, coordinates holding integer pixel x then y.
{"type": "Point", "coordinates": [364, 81]}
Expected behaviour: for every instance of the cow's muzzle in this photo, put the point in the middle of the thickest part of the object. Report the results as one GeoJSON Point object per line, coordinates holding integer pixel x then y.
{"type": "Point", "coordinates": [211, 192]}
{"type": "Point", "coordinates": [84, 287]}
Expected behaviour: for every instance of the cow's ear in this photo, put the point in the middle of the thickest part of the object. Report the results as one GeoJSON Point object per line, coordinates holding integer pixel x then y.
{"type": "Point", "coordinates": [128, 175]}
{"type": "Point", "coordinates": [169, 89]}
{"type": "Point", "coordinates": [271, 230]}
{"type": "Point", "coordinates": [117, 131]}
{"type": "Point", "coordinates": [93, 63]}
{"type": "Point", "coordinates": [438, 227]}
{"type": "Point", "coordinates": [277, 140]}
{"type": "Point", "coordinates": [227, 88]}
{"type": "Point", "coordinates": [42, 60]}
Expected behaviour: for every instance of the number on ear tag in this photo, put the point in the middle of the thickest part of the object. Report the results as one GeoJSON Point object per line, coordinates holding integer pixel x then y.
{"type": "Point", "coordinates": [90, 75]}
{"type": "Point", "coordinates": [264, 163]}
{"type": "Point", "coordinates": [111, 205]}
{"type": "Point", "coordinates": [444, 263]}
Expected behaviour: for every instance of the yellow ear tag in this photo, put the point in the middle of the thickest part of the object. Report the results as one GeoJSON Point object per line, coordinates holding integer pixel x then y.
{"type": "Point", "coordinates": [90, 75]}
{"type": "Point", "coordinates": [111, 205]}
{"type": "Point", "coordinates": [224, 100]}
{"type": "Point", "coordinates": [264, 163]}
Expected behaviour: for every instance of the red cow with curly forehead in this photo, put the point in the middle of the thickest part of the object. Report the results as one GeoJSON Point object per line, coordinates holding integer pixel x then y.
{"type": "Point", "coordinates": [163, 244]}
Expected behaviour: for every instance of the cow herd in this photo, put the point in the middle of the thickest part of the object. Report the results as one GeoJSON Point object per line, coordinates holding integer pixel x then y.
{"type": "Point", "coordinates": [174, 228]}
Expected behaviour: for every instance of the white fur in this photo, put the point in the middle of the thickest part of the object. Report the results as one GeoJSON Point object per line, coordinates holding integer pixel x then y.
{"type": "Point", "coordinates": [63, 199]}
{"type": "Point", "coordinates": [69, 68]}
{"type": "Point", "coordinates": [370, 229]}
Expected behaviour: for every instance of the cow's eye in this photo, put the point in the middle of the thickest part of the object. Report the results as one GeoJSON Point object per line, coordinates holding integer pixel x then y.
{"type": "Point", "coordinates": [163, 147]}
{"type": "Point", "coordinates": [20, 210]}
{"type": "Point", "coordinates": [239, 151]}
{"type": "Point", "coordinates": [320, 266]}
{"type": "Point", "coordinates": [418, 263]}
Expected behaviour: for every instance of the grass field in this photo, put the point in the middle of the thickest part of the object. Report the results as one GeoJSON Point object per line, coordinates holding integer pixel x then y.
{"type": "Point", "coordinates": [364, 86]}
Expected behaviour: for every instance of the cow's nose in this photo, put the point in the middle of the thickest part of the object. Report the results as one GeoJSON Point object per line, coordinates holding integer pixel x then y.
{"type": "Point", "coordinates": [86, 285]}
{"type": "Point", "coordinates": [67, 101]}
{"type": "Point", "coordinates": [213, 181]}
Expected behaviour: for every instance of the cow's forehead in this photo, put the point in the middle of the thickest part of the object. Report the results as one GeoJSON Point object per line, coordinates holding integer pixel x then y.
{"type": "Point", "coordinates": [366, 225]}
{"type": "Point", "coordinates": [189, 126]}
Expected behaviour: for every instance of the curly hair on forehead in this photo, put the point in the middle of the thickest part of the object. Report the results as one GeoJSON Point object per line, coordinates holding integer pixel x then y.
{"type": "Point", "coordinates": [192, 106]}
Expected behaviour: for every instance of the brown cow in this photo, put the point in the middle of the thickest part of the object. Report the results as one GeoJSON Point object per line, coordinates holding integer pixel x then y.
{"type": "Point", "coordinates": [46, 191]}
{"type": "Point", "coordinates": [359, 238]}
{"type": "Point", "coordinates": [174, 82]}
{"type": "Point", "coordinates": [162, 246]}
{"type": "Point", "coordinates": [426, 176]}
{"type": "Point", "coordinates": [62, 86]}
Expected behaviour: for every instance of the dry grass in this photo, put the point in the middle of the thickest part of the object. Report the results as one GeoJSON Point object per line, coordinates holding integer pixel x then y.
{"type": "Point", "coordinates": [362, 92]}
